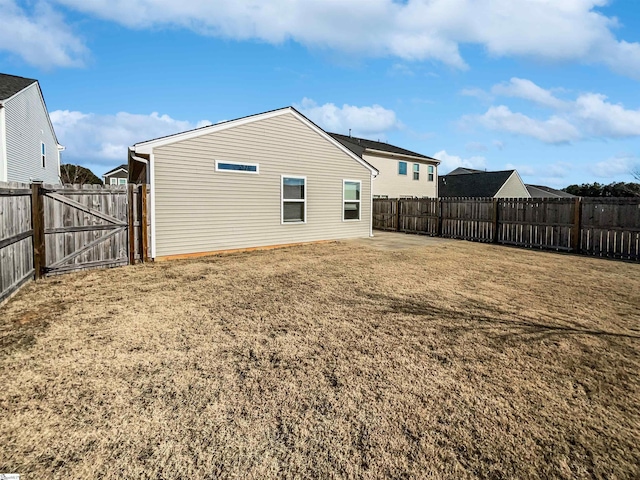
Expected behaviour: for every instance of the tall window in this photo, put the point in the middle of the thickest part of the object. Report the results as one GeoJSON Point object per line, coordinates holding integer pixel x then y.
{"type": "Point", "coordinates": [430, 171]}
{"type": "Point", "coordinates": [402, 168]}
{"type": "Point", "coordinates": [113, 181]}
{"type": "Point", "coordinates": [416, 171]}
{"type": "Point", "coordinates": [294, 199]}
{"type": "Point", "coordinates": [43, 151]}
{"type": "Point", "coordinates": [351, 199]}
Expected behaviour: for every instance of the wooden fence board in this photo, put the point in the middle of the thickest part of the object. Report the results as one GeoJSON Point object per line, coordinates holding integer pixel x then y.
{"type": "Point", "coordinates": [608, 227]}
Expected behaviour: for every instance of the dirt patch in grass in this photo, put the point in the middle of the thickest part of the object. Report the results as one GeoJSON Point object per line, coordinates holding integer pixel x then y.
{"type": "Point", "coordinates": [329, 361]}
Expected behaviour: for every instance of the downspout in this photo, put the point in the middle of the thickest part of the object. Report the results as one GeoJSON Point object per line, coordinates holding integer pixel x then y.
{"type": "Point", "coordinates": [150, 174]}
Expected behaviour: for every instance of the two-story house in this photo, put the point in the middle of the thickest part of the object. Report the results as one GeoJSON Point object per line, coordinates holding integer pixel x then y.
{"type": "Point", "coordinates": [403, 173]}
{"type": "Point", "coordinates": [29, 149]}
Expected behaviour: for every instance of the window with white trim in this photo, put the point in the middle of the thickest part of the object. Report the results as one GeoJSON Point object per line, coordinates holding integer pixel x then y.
{"type": "Point", "coordinates": [416, 171]}
{"type": "Point", "coordinates": [229, 166]}
{"type": "Point", "coordinates": [43, 151]}
{"type": "Point", "coordinates": [294, 199]}
{"type": "Point", "coordinates": [122, 181]}
{"type": "Point", "coordinates": [351, 199]}
{"type": "Point", "coordinates": [113, 181]}
{"type": "Point", "coordinates": [402, 168]}
{"type": "Point", "coordinates": [430, 173]}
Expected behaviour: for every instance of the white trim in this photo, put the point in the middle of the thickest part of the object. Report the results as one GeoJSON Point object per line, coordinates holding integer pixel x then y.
{"type": "Point", "coordinates": [120, 181]}
{"type": "Point", "coordinates": [222, 170]}
{"type": "Point", "coordinates": [413, 172]}
{"type": "Point", "coordinates": [371, 209]}
{"type": "Point", "coordinates": [4, 167]}
{"type": "Point", "coordinates": [432, 173]}
{"type": "Point", "coordinates": [359, 182]}
{"type": "Point", "coordinates": [282, 199]}
{"type": "Point", "coordinates": [405, 171]}
{"type": "Point", "coordinates": [109, 173]}
{"type": "Point", "coordinates": [152, 179]}
{"type": "Point", "coordinates": [43, 155]}
{"type": "Point", "coordinates": [113, 181]}
{"type": "Point", "coordinates": [148, 146]}
{"type": "Point", "coordinates": [515, 172]}
{"type": "Point", "coordinates": [373, 151]}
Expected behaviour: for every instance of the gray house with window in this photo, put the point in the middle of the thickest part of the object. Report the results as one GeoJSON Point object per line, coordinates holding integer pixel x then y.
{"type": "Point", "coordinates": [116, 176]}
{"type": "Point", "coordinates": [265, 180]}
{"type": "Point", "coordinates": [402, 173]}
{"type": "Point", "coordinates": [29, 149]}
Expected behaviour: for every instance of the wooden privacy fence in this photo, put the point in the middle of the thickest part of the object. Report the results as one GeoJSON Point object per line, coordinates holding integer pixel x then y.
{"type": "Point", "coordinates": [606, 227]}
{"type": "Point", "coordinates": [47, 230]}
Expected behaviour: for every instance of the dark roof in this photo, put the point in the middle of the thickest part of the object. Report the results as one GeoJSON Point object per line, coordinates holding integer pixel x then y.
{"type": "Point", "coordinates": [540, 191]}
{"type": "Point", "coordinates": [463, 171]}
{"type": "Point", "coordinates": [123, 166]}
{"type": "Point", "coordinates": [482, 184]}
{"type": "Point", "coordinates": [359, 145]}
{"type": "Point", "coordinates": [10, 85]}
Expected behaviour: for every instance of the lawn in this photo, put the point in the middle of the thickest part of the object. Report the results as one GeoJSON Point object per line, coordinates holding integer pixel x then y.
{"type": "Point", "coordinates": [337, 360]}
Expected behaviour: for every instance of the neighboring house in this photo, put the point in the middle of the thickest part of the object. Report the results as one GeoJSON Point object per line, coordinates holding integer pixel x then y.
{"type": "Point", "coordinates": [29, 149]}
{"type": "Point", "coordinates": [117, 176]}
{"type": "Point", "coordinates": [269, 179]}
{"type": "Point", "coordinates": [476, 183]}
{"type": "Point", "coordinates": [403, 173]}
{"type": "Point", "coordinates": [540, 191]}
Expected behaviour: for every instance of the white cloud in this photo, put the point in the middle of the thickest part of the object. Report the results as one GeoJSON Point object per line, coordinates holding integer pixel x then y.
{"type": "Point", "coordinates": [104, 139]}
{"type": "Point", "coordinates": [551, 30]}
{"type": "Point", "coordinates": [526, 170]}
{"type": "Point", "coordinates": [526, 89]}
{"type": "Point", "coordinates": [615, 166]}
{"type": "Point", "coordinates": [366, 121]}
{"type": "Point", "coordinates": [451, 162]}
{"type": "Point", "coordinates": [39, 36]}
{"type": "Point", "coordinates": [589, 115]}
{"type": "Point", "coordinates": [552, 130]}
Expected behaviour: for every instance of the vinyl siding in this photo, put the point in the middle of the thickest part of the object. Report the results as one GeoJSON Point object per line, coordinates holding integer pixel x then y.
{"type": "Point", "coordinates": [201, 210]}
{"type": "Point", "coordinates": [389, 183]}
{"type": "Point", "coordinates": [513, 188]}
{"type": "Point", "coordinates": [27, 124]}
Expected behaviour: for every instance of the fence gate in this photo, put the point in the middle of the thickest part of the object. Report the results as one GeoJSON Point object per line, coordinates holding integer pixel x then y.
{"type": "Point", "coordinates": [83, 227]}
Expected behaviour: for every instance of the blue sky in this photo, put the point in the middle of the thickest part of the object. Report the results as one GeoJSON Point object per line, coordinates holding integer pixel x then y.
{"type": "Point", "coordinates": [549, 87]}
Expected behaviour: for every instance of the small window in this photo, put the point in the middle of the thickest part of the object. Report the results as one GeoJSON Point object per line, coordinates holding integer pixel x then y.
{"type": "Point", "coordinates": [416, 171]}
{"type": "Point", "coordinates": [227, 166]}
{"type": "Point", "coordinates": [122, 181]}
{"type": "Point", "coordinates": [294, 199]}
{"type": "Point", "coordinates": [402, 168]}
{"type": "Point", "coordinates": [113, 181]}
{"type": "Point", "coordinates": [43, 151]}
{"type": "Point", "coordinates": [351, 200]}
{"type": "Point", "coordinates": [430, 171]}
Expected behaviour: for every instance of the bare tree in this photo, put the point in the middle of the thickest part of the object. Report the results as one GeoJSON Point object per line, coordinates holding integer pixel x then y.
{"type": "Point", "coordinates": [77, 174]}
{"type": "Point", "coordinates": [635, 172]}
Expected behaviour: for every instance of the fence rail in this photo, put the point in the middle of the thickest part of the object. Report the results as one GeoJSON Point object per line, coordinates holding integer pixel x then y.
{"type": "Point", "coordinates": [604, 227]}
{"type": "Point", "coordinates": [52, 229]}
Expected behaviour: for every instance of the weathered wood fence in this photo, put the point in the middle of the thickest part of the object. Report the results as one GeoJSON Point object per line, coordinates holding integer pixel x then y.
{"type": "Point", "coordinates": [606, 227]}
{"type": "Point", "coordinates": [54, 229]}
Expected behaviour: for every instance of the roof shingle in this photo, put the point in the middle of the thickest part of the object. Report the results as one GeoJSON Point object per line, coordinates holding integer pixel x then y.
{"type": "Point", "coordinates": [11, 84]}
{"type": "Point", "coordinates": [359, 145]}
{"type": "Point", "coordinates": [483, 184]}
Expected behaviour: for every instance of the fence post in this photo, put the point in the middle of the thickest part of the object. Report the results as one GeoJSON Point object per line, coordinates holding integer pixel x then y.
{"type": "Point", "coordinates": [37, 221]}
{"type": "Point", "coordinates": [439, 232]}
{"type": "Point", "coordinates": [398, 205]}
{"type": "Point", "coordinates": [132, 233]}
{"type": "Point", "coordinates": [577, 225]}
{"type": "Point", "coordinates": [144, 244]}
{"type": "Point", "coordinates": [495, 220]}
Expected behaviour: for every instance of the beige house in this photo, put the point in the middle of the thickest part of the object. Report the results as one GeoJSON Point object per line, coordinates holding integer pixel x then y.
{"type": "Point", "coordinates": [466, 182]}
{"type": "Point", "coordinates": [403, 173]}
{"type": "Point", "coordinates": [269, 179]}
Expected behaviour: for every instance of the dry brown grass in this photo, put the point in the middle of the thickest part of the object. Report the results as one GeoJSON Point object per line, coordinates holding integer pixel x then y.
{"type": "Point", "coordinates": [458, 360]}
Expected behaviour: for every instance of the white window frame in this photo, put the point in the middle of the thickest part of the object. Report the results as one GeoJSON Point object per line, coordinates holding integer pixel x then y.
{"type": "Point", "coordinates": [43, 154]}
{"type": "Point", "coordinates": [282, 199]}
{"type": "Point", "coordinates": [413, 172]}
{"type": "Point", "coordinates": [406, 168]}
{"type": "Point", "coordinates": [352, 201]}
{"type": "Point", "coordinates": [122, 181]}
{"type": "Point", "coordinates": [113, 181]}
{"type": "Point", "coordinates": [249, 164]}
{"type": "Point", "coordinates": [431, 173]}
